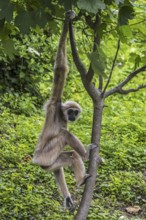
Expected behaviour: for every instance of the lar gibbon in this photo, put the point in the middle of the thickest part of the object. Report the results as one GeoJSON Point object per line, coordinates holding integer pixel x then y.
{"type": "Point", "coordinates": [54, 137]}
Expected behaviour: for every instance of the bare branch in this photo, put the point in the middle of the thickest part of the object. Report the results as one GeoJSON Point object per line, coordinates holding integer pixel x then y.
{"type": "Point", "coordinates": [94, 26]}
{"type": "Point", "coordinates": [89, 86]}
{"type": "Point", "coordinates": [122, 91]}
{"type": "Point", "coordinates": [119, 87]}
{"type": "Point", "coordinates": [132, 75]}
{"type": "Point", "coordinates": [100, 83]}
{"type": "Point", "coordinates": [90, 74]}
{"type": "Point", "coordinates": [77, 61]}
{"type": "Point", "coordinates": [112, 68]}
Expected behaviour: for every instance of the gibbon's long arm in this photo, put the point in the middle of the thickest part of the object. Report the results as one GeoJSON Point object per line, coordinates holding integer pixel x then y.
{"type": "Point", "coordinates": [61, 66]}
{"type": "Point", "coordinates": [76, 144]}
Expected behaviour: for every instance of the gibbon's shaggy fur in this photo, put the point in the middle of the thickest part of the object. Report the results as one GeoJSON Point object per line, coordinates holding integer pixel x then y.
{"type": "Point", "coordinates": [54, 137]}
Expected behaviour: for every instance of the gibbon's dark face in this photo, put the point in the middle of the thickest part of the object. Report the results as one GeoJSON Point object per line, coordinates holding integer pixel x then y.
{"type": "Point", "coordinates": [72, 114]}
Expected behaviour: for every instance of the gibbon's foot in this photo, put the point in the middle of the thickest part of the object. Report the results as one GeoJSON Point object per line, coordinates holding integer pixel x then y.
{"type": "Point", "coordinates": [90, 148]}
{"type": "Point", "coordinates": [83, 181]}
{"type": "Point", "coordinates": [69, 203]}
{"type": "Point", "coordinates": [70, 14]}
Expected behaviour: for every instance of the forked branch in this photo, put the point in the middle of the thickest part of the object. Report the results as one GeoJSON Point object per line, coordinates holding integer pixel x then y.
{"type": "Point", "coordinates": [126, 91]}
{"type": "Point", "coordinates": [89, 86]}
{"type": "Point", "coordinates": [119, 87]}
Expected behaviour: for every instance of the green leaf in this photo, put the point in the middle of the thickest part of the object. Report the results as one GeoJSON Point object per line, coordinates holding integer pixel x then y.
{"type": "Point", "coordinates": [28, 18]}
{"type": "Point", "coordinates": [67, 4]}
{"type": "Point", "coordinates": [4, 3]}
{"type": "Point", "coordinates": [119, 1]}
{"type": "Point", "coordinates": [2, 22]}
{"type": "Point", "coordinates": [9, 48]}
{"type": "Point", "coordinates": [124, 33]}
{"type": "Point", "coordinates": [6, 10]}
{"type": "Point", "coordinates": [91, 5]}
{"type": "Point", "coordinates": [98, 61]}
{"type": "Point", "coordinates": [33, 18]}
{"type": "Point", "coordinates": [126, 12]}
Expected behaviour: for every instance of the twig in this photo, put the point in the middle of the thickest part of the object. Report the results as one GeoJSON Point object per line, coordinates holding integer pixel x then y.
{"type": "Point", "coordinates": [122, 91]}
{"type": "Point", "coordinates": [132, 75]}
{"type": "Point", "coordinates": [119, 87]}
{"type": "Point", "coordinates": [112, 68]}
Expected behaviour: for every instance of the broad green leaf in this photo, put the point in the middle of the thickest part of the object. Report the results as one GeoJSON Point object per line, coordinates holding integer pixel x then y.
{"type": "Point", "coordinates": [4, 3]}
{"type": "Point", "coordinates": [4, 29]}
{"type": "Point", "coordinates": [119, 1]}
{"type": "Point", "coordinates": [37, 17]}
{"type": "Point", "coordinates": [41, 18]}
{"type": "Point", "coordinates": [98, 61]}
{"type": "Point", "coordinates": [2, 21]}
{"type": "Point", "coordinates": [142, 28]}
{"type": "Point", "coordinates": [29, 21]}
{"type": "Point", "coordinates": [9, 48]}
{"type": "Point", "coordinates": [124, 33]}
{"type": "Point", "coordinates": [68, 3]}
{"type": "Point", "coordinates": [91, 5]}
{"type": "Point", "coordinates": [6, 10]}
{"type": "Point", "coordinates": [126, 12]}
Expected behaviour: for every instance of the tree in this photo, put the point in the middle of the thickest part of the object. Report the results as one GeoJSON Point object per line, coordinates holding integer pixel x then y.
{"type": "Point", "coordinates": [119, 20]}
{"type": "Point", "coordinates": [99, 94]}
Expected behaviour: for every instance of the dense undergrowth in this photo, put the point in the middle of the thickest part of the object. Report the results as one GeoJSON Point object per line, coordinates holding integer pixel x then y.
{"type": "Point", "coordinates": [27, 192]}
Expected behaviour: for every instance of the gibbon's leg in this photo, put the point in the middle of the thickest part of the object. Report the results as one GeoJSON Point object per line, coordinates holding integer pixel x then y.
{"type": "Point", "coordinates": [73, 159]}
{"type": "Point", "coordinates": [60, 179]}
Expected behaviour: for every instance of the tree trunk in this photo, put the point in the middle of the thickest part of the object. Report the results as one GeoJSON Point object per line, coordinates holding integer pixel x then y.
{"type": "Point", "coordinates": [94, 160]}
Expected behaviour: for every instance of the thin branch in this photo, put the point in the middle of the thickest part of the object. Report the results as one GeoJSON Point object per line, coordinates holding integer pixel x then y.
{"type": "Point", "coordinates": [112, 68]}
{"type": "Point", "coordinates": [122, 91]}
{"type": "Point", "coordinates": [90, 74]}
{"type": "Point", "coordinates": [94, 26]}
{"type": "Point", "coordinates": [77, 61]}
{"type": "Point", "coordinates": [119, 87]}
{"type": "Point", "coordinates": [139, 22]}
{"type": "Point", "coordinates": [100, 83]}
{"type": "Point", "coordinates": [132, 75]}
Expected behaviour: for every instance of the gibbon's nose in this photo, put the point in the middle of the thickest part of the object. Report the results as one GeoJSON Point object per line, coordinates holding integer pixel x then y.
{"type": "Point", "coordinates": [72, 118]}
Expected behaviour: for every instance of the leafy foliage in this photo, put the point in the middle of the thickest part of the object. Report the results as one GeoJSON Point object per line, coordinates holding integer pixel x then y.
{"type": "Point", "coordinates": [91, 6]}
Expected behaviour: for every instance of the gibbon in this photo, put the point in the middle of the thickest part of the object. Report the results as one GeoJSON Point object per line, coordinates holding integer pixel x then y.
{"type": "Point", "coordinates": [49, 152]}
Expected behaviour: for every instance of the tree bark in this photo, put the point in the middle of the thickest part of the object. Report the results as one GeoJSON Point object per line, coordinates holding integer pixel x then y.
{"type": "Point", "coordinates": [94, 160]}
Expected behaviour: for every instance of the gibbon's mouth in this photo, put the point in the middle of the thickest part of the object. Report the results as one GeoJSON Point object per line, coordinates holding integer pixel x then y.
{"type": "Point", "coordinates": [72, 119]}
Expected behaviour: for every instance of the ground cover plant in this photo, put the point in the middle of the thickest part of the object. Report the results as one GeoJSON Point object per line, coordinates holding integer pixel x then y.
{"type": "Point", "coordinates": [27, 192]}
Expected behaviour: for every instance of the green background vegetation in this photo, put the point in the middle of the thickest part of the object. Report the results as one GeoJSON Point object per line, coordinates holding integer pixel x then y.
{"type": "Point", "coordinates": [26, 191]}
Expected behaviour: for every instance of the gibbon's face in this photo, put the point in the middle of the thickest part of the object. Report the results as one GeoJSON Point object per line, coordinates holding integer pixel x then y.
{"type": "Point", "coordinates": [71, 110]}
{"type": "Point", "coordinates": [72, 114]}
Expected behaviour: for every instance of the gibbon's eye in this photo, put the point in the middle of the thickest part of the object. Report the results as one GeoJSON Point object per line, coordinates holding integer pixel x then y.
{"type": "Point", "coordinates": [70, 111]}
{"type": "Point", "coordinates": [76, 112]}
